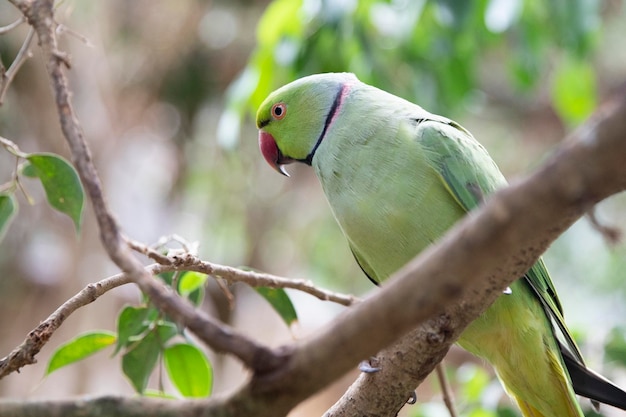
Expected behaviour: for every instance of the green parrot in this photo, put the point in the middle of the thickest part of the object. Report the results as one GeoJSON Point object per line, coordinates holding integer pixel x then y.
{"type": "Point", "coordinates": [397, 178]}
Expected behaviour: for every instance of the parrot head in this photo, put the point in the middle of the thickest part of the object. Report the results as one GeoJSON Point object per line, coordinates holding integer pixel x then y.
{"type": "Point", "coordinates": [293, 120]}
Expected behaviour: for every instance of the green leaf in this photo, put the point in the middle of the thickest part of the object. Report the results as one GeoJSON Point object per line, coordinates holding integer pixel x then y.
{"type": "Point", "coordinates": [278, 298]}
{"type": "Point", "coordinates": [167, 277]}
{"type": "Point", "coordinates": [131, 322]}
{"type": "Point", "coordinates": [139, 361]}
{"type": "Point", "coordinates": [60, 182]}
{"type": "Point", "coordinates": [191, 281]}
{"type": "Point", "coordinates": [189, 370]}
{"type": "Point", "coordinates": [79, 348]}
{"type": "Point", "coordinates": [29, 170]}
{"type": "Point", "coordinates": [141, 358]}
{"type": "Point", "coordinates": [281, 18]}
{"type": "Point", "coordinates": [8, 209]}
{"type": "Point", "coordinates": [574, 91]}
{"type": "Point", "coordinates": [166, 330]}
{"type": "Point", "coordinates": [191, 285]}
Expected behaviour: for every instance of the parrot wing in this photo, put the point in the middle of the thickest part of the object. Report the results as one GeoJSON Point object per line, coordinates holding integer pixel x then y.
{"type": "Point", "coordinates": [469, 174]}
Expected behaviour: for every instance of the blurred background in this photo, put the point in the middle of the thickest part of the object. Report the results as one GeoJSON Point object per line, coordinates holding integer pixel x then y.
{"type": "Point", "coordinates": [166, 94]}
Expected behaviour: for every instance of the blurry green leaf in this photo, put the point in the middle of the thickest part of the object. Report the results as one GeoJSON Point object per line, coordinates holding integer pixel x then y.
{"type": "Point", "coordinates": [189, 370]}
{"type": "Point", "coordinates": [191, 285]}
{"type": "Point", "coordinates": [615, 346]}
{"type": "Point", "coordinates": [458, 10]}
{"type": "Point", "coordinates": [574, 91]}
{"type": "Point", "coordinates": [474, 380]}
{"type": "Point", "coordinates": [481, 412]}
{"type": "Point", "coordinates": [166, 330]}
{"type": "Point", "coordinates": [79, 348]}
{"type": "Point", "coordinates": [504, 411]}
{"type": "Point", "coordinates": [574, 23]}
{"type": "Point", "coordinates": [8, 209]}
{"type": "Point", "coordinates": [190, 281]}
{"type": "Point", "coordinates": [279, 299]}
{"type": "Point", "coordinates": [279, 19]}
{"type": "Point", "coordinates": [133, 321]}
{"type": "Point", "coordinates": [60, 182]}
{"type": "Point", "coordinates": [29, 170]}
{"type": "Point", "coordinates": [167, 277]}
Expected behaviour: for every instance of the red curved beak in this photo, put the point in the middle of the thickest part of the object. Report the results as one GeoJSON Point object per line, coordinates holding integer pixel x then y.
{"type": "Point", "coordinates": [271, 153]}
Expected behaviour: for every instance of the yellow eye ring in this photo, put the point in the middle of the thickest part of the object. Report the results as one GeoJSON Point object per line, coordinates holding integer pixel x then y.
{"type": "Point", "coordinates": [279, 111]}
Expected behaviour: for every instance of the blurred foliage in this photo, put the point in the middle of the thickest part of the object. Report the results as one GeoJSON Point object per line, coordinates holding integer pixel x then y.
{"type": "Point", "coordinates": [430, 52]}
{"type": "Point", "coordinates": [615, 346]}
{"type": "Point", "coordinates": [280, 301]}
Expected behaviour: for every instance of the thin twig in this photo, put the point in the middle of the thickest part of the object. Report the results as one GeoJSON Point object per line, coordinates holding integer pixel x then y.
{"type": "Point", "coordinates": [259, 279]}
{"type": "Point", "coordinates": [12, 148]}
{"type": "Point", "coordinates": [10, 186]}
{"type": "Point", "coordinates": [23, 54]}
{"type": "Point", "coordinates": [612, 235]}
{"type": "Point", "coordinates": [149, 252]}
{"type": "Point", "coordinates": [11, 26]}
{"type": "Point", "coordinates": [25, 353]}
{"type": "Point", "coordinates": [61, 29]}
{"type": "Point", "coordinates": [190, 262]}
{"type": "Point", "coordinates": [187, 246]}
{"type": "Point", "coordinates": [446, 391]}
{"type": "Point", "coordinates": [227, 292]}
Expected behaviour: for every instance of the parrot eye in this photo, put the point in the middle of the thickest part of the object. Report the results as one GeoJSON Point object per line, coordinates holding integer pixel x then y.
{"type": "Point", "coordinates": [279, 110]}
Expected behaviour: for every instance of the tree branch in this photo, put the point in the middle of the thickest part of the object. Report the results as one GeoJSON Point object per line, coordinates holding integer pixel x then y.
{"type": "Point", "coordinates": [25, 353]}
{"type": "Point", "coordinates": [6, 77]}
{"type": "Point", "coordinates": [40, 15]}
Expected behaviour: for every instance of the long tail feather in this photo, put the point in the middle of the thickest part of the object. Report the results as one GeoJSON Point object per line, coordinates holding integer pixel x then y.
{"type": "Point", "coordinates": [592, 385]}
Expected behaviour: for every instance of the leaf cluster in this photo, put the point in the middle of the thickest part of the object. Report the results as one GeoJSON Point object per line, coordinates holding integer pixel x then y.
{"type": "Point", "coordinates": [149, 340]}
{"type": "Point", "coordinates": [436, 53]}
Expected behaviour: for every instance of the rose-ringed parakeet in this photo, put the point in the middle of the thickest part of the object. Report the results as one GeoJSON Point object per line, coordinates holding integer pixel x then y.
{"type": "Point", "coordinates": [397, 178]}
